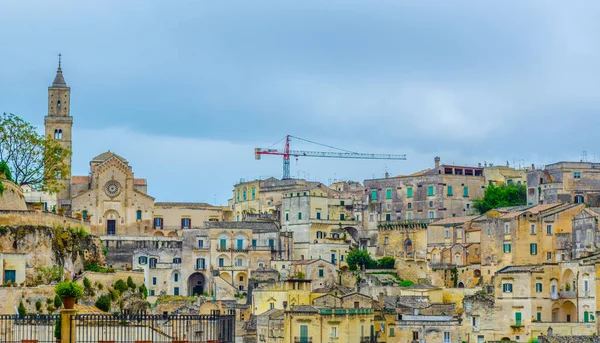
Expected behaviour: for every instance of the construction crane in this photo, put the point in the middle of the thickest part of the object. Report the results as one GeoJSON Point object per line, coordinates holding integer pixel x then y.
{"type": "Point", "coordinates": [287, 152]}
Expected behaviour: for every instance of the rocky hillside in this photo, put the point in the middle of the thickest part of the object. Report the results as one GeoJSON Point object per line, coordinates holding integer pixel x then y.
{"type": "Point", "coordinates": [70, 248]}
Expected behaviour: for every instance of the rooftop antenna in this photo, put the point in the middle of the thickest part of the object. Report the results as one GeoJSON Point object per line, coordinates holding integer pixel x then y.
{"type": "Point", "coordinates": [584, 156]}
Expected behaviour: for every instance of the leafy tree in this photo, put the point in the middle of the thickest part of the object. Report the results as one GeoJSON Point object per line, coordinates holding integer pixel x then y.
{"type": "Point", "coordinates": [57, 301]}
{"type": "Point", "coordinates": [120, 286]}
{"type": "Point", "coordinates": [6, 171]}
{"type": "Point", "coordinates": [131, 284]}
{"type": "Point", "coordinates": [103, 303]}
{"type": "Point", "coordinates": [144, 290]}
{"type": "Point", "coordinates": [22, 310]}
{"type": "Point", "coordinates": [501, 196]}
{"type": "Point", "coordinates": [34, 160]}
{"type": "Point", "coordinates": [358, 258]}
{"type": "Point", "coordinates": [386, 263]}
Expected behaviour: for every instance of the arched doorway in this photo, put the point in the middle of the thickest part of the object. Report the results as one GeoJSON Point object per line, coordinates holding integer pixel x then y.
{"type": "Point", "coordinates": [461, 285]}
{"type": "Point", "coordinates": [196, 284]}
{"type": "Point", "coordinates": [568, 312]}
{"type": "Point", "coordinates": [112, 220]}
{"type": "Point", "coordinates": [408, 247]}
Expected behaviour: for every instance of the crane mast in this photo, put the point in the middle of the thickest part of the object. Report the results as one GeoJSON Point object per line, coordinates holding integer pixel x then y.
{"type": "Point", "coordinates": [287, 152]}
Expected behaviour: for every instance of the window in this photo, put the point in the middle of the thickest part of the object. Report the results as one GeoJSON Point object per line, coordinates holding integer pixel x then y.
{"type": "Point", "coordinates": [388, 193]}
{"type": "Point", "coordinates": [489, 231]}
{"type": "Point", "coordinates": [549, 229]}
{"type": "Point", "coordinates": [253, 193]}
{"type": "Point", "coordinates": [318, 215]}
{"type": "Point", "coordinates": [392, 333]}
{"type": "Point", "coordinates": [138, 214]}
{"type": "Point", "coordinates": [321, 273]}
{"type": "Point", "coordinates": [221, 262]}
{"type": "Point", "coordinates": [333, 333]}
{"type": "Point", "coordinates": [538, 316]}
{"type": "Point", "coordinates": [447, 233]}
{"type": "Point", "coordinates": [153, 262]}
{"type": "Point", "coordinates": [431, 215]}
{"type": "Point", "coordinates": [319, 234]}
{"type": "Point", "coordinates": [415, 335]}
{"type": "Point", "coordinates": [409, 192]}
{"type": "Point", "coordinates": [271, 305]}
{"type": "Point", "coordinates": [241, 278]}
{"type": "Point", "coordinates": [431, 204]}
{"type": "Point", "coordinates": [200, 264]}
{"type": "Point", "coordinates": [586, 288]}
{"type": "Point", "coordinates": [409, 216]}
{"type": "Point", "coordinates": [506, 229]}
{"type": "Point", "coordinates": [409, 205]}
{"type": "Point", "coordinates": [430, 191]}
{"type": "Point", "coordinates": [245, 195]}
{"type": "Point", "coordinates": [388, 206]}
{"type": "Point", "coordinates": [238, 196]}
{"type": "Point", "coordinates": [158, 223]}
{"type": "Point", "coordinates": [549, 256]}
{"type": "Point", "coordinates": [577, 175]}
{"type": "Point", "coordinates": [388, 217]}
{"type": "Point", "coordinates": [506, 248]}
{"type": "Point", "coordinates": [299, 215]}
{"type": "Point", "coordinates": [240, 244]}
{"type": "Point", "coordinates": [151, 292]}
{"type": "Point", "coordinates": [143, 260]}
{"type": "Point", "coordinates": [175, 277]}
{"type": "Point", "coordinates": [239, 262]}
{"type": "Point", "coordinates": [177, 260]}
{"type": "Point", "coordinates": [370, 218]}
{"type": "Point", "coordinates": [538, 287]}
{"type": "Point", "coordinates": [222, 244]}
{"type": "Point", "coordinates": [200, 244]}
{"type": "Point", "coordinates": [475, 321]}
{"type": "Point", "coordinates": [385, 240]}
{"type": "Point", "coordinates": [342, 216]}
{"type": "Point", "coordinates": [342, 202]}
{"type": "Point", "coordinates": [507, 287]}
{"type": "Point", "coordinates": [449, 191]}
{"type": "Point", "coordinates": [254, 243]}
{"type": "Point", "coordinates": [287, 217]}
{"type": "Point", "coordinates": [446, 337]}
{"type": "Point", "coordinates": [466, 191]}
{"type": "Point", "coordinates": [186, 223]}
{"type": "Point", "coordinates": [271, 243]}
{"type": "Point", "coordinates": [518, 318]}
{"type": "Point", "coordinates": [176, 291]}
{"type": "Point", "coordinates": [532, 229]}
{"type": "Point", "coordinates": [374, 194]}
{"type": "Point", "coordinates": [154, 280]}
{"type": "Point", "coordinates": [533, 248]}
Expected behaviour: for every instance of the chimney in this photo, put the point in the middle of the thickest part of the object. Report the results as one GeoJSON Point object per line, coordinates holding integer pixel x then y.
{"type": "Point", "coordinates": [437, 161]}
{"type": "Point", "coordinates": [387, 175]}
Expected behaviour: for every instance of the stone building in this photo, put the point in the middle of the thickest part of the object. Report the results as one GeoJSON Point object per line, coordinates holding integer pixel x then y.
{"type": "Point", "coordinates": [441, 192]}
{"type": "Point", "coordinates": [477, 326]}
{"type": "Point", "coordinates": [322, 222]}
{"type": "Point", "coordinates": [566, 182]}
{"type": "Point", "coordinates": [585, 239]}
{"type": "Point", "coordinates": [115, 199]}
{"type": "Point", "coordinates": [322, 273]}
{"type": "Point", "coordinates": [175, 216]}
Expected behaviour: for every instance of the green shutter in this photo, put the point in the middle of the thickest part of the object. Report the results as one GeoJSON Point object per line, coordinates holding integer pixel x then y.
{"type": "Point", "coordinates": [586, 316]}
{"type": "Point", "coordinates": [430, 191]}
{"type": "Point", "coordinates": [449, 190]}
{"type": "Point", "coordinates": [299, 215]}
{"type": "Point", "coordinates": [388, 194]}
{"type": "Point", "coordinates": [466, 191]}
{"type": "Point", "coordinates": [374, 194]}
{"type": "Point", "coordinates": [409, 192]}
{"type": "Point", "coordinates": [518, 318]}
{"type": "Point", "coordinates": [533, 248]}
{"type": "Point", "coordinates": [539, 316]}
{"type": "Point", "coordinates": [303, 333]}
{"type": "Point", "coordinates": [388, 217]}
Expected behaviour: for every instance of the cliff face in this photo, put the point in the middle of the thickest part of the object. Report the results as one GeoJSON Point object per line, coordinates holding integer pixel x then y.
{"type": "Point", "coordinates": [44, 246]}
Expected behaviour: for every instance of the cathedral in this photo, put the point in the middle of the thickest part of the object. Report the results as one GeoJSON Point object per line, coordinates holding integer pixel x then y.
{"type": "Point", "coordinates": [110, 197]}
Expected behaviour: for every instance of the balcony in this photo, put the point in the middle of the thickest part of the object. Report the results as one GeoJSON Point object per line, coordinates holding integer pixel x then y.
{"type": "Point", "coordinates": [568, 294]}
{"type": "Point", "coordinates": [233, 268]}
{"type": "Point", "coordinates": [303, 339]}
{"type": "Point", "coordinates": [517, 324]}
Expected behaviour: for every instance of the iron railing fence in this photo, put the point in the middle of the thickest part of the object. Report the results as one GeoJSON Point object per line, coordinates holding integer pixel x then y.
{"type": "Point", "coordinates": [28, 328]}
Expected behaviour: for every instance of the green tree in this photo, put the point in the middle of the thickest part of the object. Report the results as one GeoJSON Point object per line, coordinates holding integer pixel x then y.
{"type": "Point", "coordinates": [57, 301]}
{"type": "Point", "coordinates": [144, 290]}
{"type": "Point", "coordinates": [22, 310]}
{"type": "Point", "coordinates": [87, 284]}
{"type": "Point", "coordinates": [120, 286]}
{"type": "Point", "coordinates": [103, 303]}
{"type": "Point", "coordinates": [38, 305]}
{"type": "Point", "coordinates": [131, 284]}
{"type": "Point", "coordinates": [386, 263]}
{"type": "Point", "coordinates": [358, 258]}
{"type": "Point", "coordinates": [501, 196]}
{"type": "Point", "coordinates": [34, 160]}
{"type": "Point", "coordinates": [6, 171]}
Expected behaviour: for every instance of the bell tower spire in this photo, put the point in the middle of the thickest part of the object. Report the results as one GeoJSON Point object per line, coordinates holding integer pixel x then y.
{"type": "Point", "coordinates": [59, 123]}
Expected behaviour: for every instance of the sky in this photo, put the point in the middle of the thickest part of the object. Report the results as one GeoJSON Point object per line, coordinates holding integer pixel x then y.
{"type": "Point", "coordinates": [185, 90]}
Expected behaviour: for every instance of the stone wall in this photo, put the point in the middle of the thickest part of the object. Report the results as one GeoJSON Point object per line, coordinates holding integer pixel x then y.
{"type": "Point", "coordinates": [121, 248]}
{"type": "Point", "coordinates": [10, 297]}
{"type": "Point", "coordinates": [412, 270]}
{"type": "Point", "coordinates": [12, 197]}
{"type": "Point", "coordinates": [37, 218]}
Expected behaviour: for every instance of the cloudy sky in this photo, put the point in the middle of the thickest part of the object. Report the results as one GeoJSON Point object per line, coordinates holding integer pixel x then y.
{"type": "Point", "coordinates": [185, 90]}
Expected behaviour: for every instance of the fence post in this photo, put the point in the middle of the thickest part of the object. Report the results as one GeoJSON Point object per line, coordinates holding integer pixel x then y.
{"type": "Point", "coordinates": [68, 326]}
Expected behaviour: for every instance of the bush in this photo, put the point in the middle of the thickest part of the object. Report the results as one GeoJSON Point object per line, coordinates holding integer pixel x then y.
{"type": "Point", "coordinates": [68, 289]}
{"type": "Point", "coordinates": [57, 301]}
{"type": "Point", "coordinates": [360, 258]}
{"type": "Point", "coordinates": [48, 301]}
{"type": "Point", "coordinates": [144, 290]}
{"type": "Point", "coordinates": [386, 263]}
{"type": "Point", "coordinates": [103, 303]}
{"type": "Point", "coordinates": [120, 286]}
{"type": "Point", "coordinates": [50, 274]}
{"type": "Point", "coordinates": [114, 294]}
{"type": "Point", "coordinates": [38, 305]}
{"type": "Point", "coordinates": [57, 329]}
{"type": "Point", "coordinates": [87, 284]}
{"type": "Point", "coordinates": [131, 284]}
{"type": "Point", "coordinates": [22, 310]}
{"type": "Point", "coordinates": [406, 283]}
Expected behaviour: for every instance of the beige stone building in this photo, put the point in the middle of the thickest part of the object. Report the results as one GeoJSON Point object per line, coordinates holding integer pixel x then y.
{"type": "Point", "coordinates": [175, 216]}
{"type": "Point", "coordinates": [566, 182]}
{"type": "Point", "coordinates": [13, 267]}
{"type": "Point", "coordinates": [115, 199]}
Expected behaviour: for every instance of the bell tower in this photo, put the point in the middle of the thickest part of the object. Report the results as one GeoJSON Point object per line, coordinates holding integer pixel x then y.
{"type": "Point", "coordinates": [58, 124]}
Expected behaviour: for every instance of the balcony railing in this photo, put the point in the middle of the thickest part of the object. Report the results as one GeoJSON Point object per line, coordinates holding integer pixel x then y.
{"type": "Point", "coordinates": [568, 294]}
{"type": "Point", "coordinates": [517, 323]}
{"type": "Point", "coordinates": [303, 340]}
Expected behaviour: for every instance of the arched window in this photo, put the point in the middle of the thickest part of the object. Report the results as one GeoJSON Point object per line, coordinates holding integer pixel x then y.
{"type": "Point", "coordinates": [143, 260]}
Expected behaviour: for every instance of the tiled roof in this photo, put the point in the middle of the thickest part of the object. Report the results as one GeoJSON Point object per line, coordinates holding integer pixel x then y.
{"type": "Point", "coordinates": [106, 155]}
{"type": "Point", "coordinates": [303, 308]}
{"type": "Point", "coordinates": [80, 179]}
{"type": "Point", "coordinates": [333, 288]}
{"type": "Point", "coordinates": [521, 269]}
{"type": "Point", "coordinates": [453, 220]}
{"type": "Point", "coordinates": [83, 309]}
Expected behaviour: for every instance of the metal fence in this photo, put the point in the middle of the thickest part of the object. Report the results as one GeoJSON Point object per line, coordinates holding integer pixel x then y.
{"type": "Point", "coordinates": [28, 329]}
{"type": "Point", "coordinates": [106, 328]}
